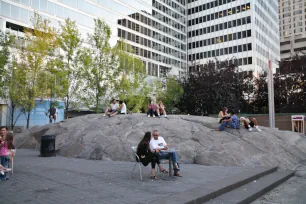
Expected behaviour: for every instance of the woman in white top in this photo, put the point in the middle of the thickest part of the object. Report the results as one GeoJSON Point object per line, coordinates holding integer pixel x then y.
{"type": "Point", "coordinates": [121, 109]}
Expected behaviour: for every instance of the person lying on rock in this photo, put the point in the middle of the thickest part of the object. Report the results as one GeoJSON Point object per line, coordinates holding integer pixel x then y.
{"type": "Point", "coordinates": [250, 124]}
{"type": "Point", "coordinates": [158, 145]}
{"type": "Point", "coordinates": [232, 122]}
{"type": "Point", "coordinates": [114, 106]}
{"type": "Point", "coordinates": [223, 115]}
{"type": "Point", "coordinates": [146, 156]}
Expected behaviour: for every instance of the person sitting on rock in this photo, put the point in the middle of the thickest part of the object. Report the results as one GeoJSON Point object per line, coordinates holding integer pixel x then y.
{"type": "Point", "coordinates": [250, 124]}
{"type": "Point", "coordinates": [146, 156]}
{"type": "Point", "coordinates": [223, 115]}
{"type": "Point", "coordinates": [160, 109]}
{"type": "Point", "coordinates": [121, 109]}
{"type": "Point", "coordinates": [152, 109]}
{"type": "Point", "coordinates": [232, 122]}
{"type": "Point", "coordinates": [112, 109]}
{"type": "Point", "coordinates": [158, 145]}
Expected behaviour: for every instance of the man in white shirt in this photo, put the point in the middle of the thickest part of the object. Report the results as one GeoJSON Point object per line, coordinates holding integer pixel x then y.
{"type": "Point", "coordinates": [158, 144]}
{"type": "Point", "coordinates": [114, 106]}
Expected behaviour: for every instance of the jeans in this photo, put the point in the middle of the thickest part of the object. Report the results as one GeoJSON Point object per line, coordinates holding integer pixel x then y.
{"type": "Point", "coordinates": [222, 127]}
{"type": "Point", "coordinates": [151, 112]}
{"type": "Point", "coordinates": [165, 155]}
{"type": "Point", "coordinates": [5, 161]}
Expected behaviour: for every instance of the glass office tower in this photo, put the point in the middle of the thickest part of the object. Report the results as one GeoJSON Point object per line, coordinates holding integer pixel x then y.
{"type": "Point", "coordinates": [156, 29]}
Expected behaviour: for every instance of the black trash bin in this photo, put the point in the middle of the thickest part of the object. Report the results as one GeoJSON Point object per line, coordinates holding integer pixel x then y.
{"type": "Point", "coordinates": [47, 145]}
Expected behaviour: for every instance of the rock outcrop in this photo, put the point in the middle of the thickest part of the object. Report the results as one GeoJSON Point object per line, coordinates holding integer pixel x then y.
{"type": "Point", "coordinates": [104, 138]}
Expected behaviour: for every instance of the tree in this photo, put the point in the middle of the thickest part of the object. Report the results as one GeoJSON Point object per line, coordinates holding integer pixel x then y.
{"type": "Point", "coordinates": [36, 50]}
{"type": "Point", "coordinates": [172, 94]}
{"type": "Point", "coordinates": [98, 67]}
{"type": "Point", "coordinates": [130, 86]}
{"type": "Point", "coordinates": [70, 40]}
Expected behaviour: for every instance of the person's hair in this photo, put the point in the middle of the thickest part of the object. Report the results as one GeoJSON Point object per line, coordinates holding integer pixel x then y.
{"type": "Point", "coordinates": [160, 102]}
{"type": "Point", "coordinates": [154, 131]}
{"type": "Point", "coordinates": [3, 127]}
{"type": "Point", "coordinates": [146, 139]}
{"type": "Point", "coordinates": [9, 139]}
{"type": "Point", "coordinates": [233, 112]}
{"type": "Point", "coordinates": [224, 109]}
{"type": "Point", "coordinates": [120, 102]}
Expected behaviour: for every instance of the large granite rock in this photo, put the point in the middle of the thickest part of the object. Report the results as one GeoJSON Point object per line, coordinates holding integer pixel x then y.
{"type": "Point", "coordinates": [104, 138]}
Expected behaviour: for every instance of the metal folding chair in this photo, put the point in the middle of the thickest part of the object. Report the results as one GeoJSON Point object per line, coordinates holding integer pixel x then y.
{"type": "Point", "coordinates": [134, 149]}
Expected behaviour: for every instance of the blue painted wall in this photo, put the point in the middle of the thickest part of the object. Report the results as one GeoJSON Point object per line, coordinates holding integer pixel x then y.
{"type": "Point", "coordinates": [38, 114]}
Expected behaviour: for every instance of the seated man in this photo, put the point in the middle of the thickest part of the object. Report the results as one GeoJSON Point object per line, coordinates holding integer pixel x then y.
{"type": "Point", "coordinates": [232, 122]}
{"type": "Point", "coordinates": [250, 124]}
{"type": "Point", "coordinates": [158, 144]}
{"type": "Point", "coordinates": [112, 109]}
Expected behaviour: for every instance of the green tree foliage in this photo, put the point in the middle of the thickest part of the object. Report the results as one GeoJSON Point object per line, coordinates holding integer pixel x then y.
{"type": "Point", "coordinates": [70, 41]}
{"type": "Point", "coordinates": [130, 86]}
{"type": "Point", "coordinates": [173, 91]}
{"type": "Point", "coordinates": [31, 65]}
{"type": "Point", "coordinates": [98, 67]}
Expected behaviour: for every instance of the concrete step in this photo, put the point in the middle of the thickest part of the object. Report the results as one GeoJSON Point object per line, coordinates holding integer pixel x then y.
{"type": "Point", "coordinates": [253, 190]}
{"type": "Point", "coordinates": [207, 192]}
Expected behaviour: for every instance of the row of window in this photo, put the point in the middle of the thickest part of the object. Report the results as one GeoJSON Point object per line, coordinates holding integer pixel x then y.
{"type": "Point", "coordinates": [267, 9]}
{"type": "Point", "coordinates": [151, 44]}
{"type": "Point", "coordinates": [220, 39]}
{"type": "Point", "coordinates": [220, 52]}
{"type": "Point", "coordinates": [295, 50]}
{"type": "Point", "coordinates": [169, 21]}
{"type": "Point", "coordinates": [262, 64]}
{"type": "Point", "coordinates": [150, 33]}
{"type": "Point", "coordinates": [174, 5]}
{"type": "Point", "coordinates": [221, 26]}
{"type": "Point", "coordinates": [143, 19]}
{"type": "Point", "coordinates": [267, 20]}
{"type": "Point", "coordinates": [236, 61]}
{"type": "Point", "coordinates": [266, 42]}
{"type": "Point", "coordinates": [273, 36]}
{"type": "Point", "coordinates": [220, 14]}
{"type": "Point", "coordinates": [262, 51]}
{"type": "Point", "coordinates": [169, 12]}
{"type": "Point", "coordinates": [207, 6]}
{"type": "Point", "coordinates": [157, 57]}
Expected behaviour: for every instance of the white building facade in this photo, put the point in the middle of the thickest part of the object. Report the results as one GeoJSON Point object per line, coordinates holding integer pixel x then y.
{"type": "Point", "coordinates": [156, 29]}
{"type": "Point", "coordinates": [244, 31]}
{"type": "Point", "coordinates": [292, 29]}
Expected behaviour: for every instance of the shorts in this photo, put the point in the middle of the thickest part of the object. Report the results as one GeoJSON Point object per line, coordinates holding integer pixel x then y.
{"type": "Point", "coordinates": [53, 116]}
{"type": "Point", "coordinates": [251, 124]}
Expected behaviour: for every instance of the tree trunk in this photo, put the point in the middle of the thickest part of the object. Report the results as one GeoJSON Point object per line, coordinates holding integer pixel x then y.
{"type": "Point", "coordinates": [28, 119]}
{"type": "Point", "coordinates": [12, 115]}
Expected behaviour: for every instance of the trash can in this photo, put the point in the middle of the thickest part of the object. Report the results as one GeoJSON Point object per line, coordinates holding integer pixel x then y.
{"type": "Point", "coordinates": [298, 123]}
{"type": "Point", "coordinates": [47, 145]}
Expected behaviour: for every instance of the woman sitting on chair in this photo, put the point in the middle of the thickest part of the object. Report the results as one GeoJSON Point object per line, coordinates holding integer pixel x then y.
{"type": "Point", "coordinates": [146, 156]}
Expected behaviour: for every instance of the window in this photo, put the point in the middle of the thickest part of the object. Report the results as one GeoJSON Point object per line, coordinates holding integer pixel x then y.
{"type": "Point", "coordinates": [244, 34]}
{"type": "Point", "coordinates": [235, 49]}
{"type": "Point", "coordinates": [249, 46]}
{"type": "Point", "coordinates": [234, 36]}
{"type": "Point", "coordinates": [245, 47]}
{"type": "Point", "coordinates": [249, 19]}
{"type": "Point", "coordinates": [234, 23]}
{"type": "Point", "coordinates": [243, 21]}
{"type": "Point", "coordinates": [230, 50]}
{"type": "Point", "coordinates": [249, 33]}
{"type": "Point", "coordinates": [249, 60]}
{"type": "Point", "coordinates": [221, 52]}
{"type": "Point", "coordinates": [239, 48]}
{"type": "Point", "coordinates": [239, 35]}
{"type": "Point", "coordinates": [238, 22]}
{"type": "Point", "coordinates": [226, 51]}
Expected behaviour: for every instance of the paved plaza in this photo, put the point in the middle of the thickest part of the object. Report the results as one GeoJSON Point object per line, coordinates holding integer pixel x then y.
{"type": "Point", "coordinates": [71, 180]}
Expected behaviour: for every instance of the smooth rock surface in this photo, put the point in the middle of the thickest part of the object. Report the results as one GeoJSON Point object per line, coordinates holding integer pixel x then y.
{"type": "Point", "coordinates": [104, 138]}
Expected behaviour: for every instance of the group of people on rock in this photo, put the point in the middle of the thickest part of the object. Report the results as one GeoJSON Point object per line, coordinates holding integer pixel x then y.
{"type": "Point", "coordinates": [232, 121]}
{"type": "Point", "coordinates": [7, 151]}
{"type": "Point", "coordinates": [155, 109]}
{"type": "Point", "coordinates": [116, 107]}
{"type": "Point", "coordinates": [151, 149]}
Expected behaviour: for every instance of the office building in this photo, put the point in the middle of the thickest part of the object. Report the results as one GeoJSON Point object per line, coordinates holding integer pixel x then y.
{"type": "Point", "coordinates": [155, 29]}
{"type": "Point", "coordinates": [245, 32]}
{"type": "Point", "coordinates": [292, 14]}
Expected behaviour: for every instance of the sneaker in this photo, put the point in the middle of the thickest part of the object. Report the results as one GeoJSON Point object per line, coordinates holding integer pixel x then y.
{"type": "Point", "coordinates": [2, 173]}
{"type": "Point", "coordinates": [153, 116]}
{"type": "Point", "coordinates": [104, 115]}
{"type": "Point", "coordinates": [258, 129]}
{"type": "Point", "coordinates": [149, 116]}
{"type": "Point", "coordinates": [165, 116]}
{"type": "Point", "coordinates": [250, 129]}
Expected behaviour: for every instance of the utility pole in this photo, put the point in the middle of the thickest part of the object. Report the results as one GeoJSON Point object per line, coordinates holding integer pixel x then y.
{"type": "Point", "coordinates": [271, 95]}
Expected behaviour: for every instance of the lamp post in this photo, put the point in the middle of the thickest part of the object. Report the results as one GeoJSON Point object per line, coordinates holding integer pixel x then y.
{"type": "Point", "coordinates": [271, 95]}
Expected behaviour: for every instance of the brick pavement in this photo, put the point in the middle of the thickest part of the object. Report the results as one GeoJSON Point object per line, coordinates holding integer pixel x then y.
{"type": "Point", "coordinates": [70, 180]}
